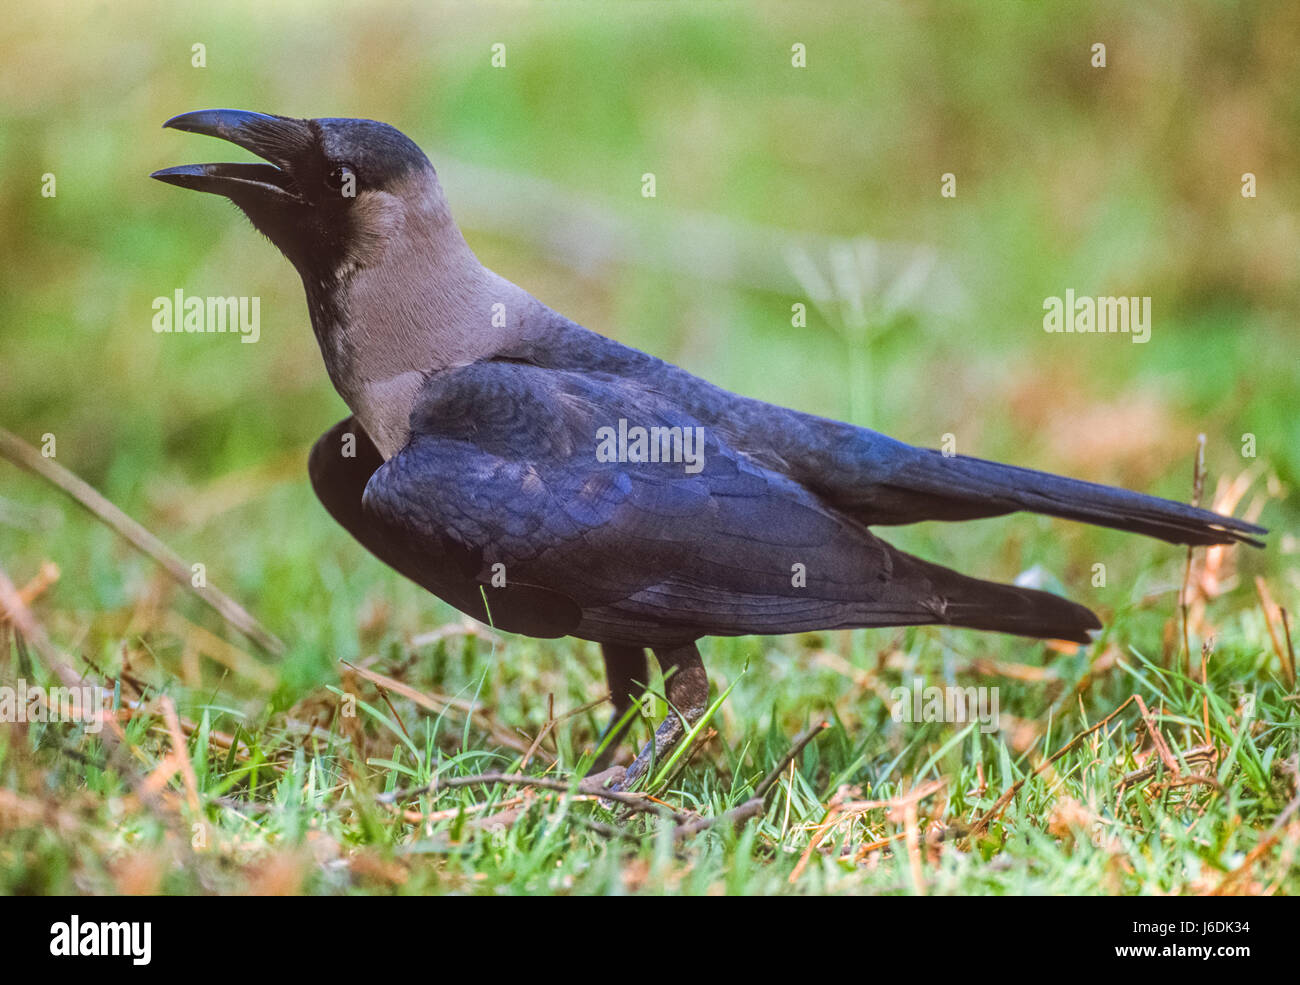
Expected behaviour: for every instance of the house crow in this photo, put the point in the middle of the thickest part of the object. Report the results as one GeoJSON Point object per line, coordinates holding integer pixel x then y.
{"type": "Point", "coordinates": [552, 482]}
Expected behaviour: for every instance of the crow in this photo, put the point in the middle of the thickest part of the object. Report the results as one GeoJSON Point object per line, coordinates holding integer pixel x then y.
{"type": "Point", "coordinates": [552, 482]}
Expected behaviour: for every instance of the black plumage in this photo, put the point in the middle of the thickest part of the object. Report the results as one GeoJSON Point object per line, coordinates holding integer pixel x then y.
{"type": "Point", "coordinates": [472, 463]}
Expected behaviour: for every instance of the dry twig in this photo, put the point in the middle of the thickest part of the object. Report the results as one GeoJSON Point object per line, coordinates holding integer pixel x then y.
{"type": "Point", "coordinates": [25, 456]}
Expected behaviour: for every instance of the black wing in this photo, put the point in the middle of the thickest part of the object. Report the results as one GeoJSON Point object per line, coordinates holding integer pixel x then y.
{"type": "Point", "coordinates": [874, 478]}
{"type": "Point", "coordinates": [342, 462]}
{"type": "Point", "coordinates": [504, 470]}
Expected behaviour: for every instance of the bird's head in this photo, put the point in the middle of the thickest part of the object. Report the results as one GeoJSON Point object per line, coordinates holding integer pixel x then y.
{"type": "Point", "coordinates": [332, 190]}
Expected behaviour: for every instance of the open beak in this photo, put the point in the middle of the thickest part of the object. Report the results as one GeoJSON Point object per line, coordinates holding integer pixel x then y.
{"type": "Point", "coordinates": [279, 140]}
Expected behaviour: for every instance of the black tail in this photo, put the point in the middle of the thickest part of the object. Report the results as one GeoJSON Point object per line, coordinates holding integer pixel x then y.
{"type": "Point", "coordinates": [957, 600]}
{"type": "Point", "coordinates": [964, 488]}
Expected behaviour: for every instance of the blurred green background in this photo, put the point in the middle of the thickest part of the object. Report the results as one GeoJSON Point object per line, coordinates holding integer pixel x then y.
{"type": "Point", "coordinates": [774, 184]}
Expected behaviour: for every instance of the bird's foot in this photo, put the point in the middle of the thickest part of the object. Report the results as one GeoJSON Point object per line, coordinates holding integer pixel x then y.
{"type": "Point", "coordinates": [666, 738]}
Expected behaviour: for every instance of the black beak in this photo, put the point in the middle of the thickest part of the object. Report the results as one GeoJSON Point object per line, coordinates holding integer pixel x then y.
{"type": "Point", "coordinates": [278, 139]}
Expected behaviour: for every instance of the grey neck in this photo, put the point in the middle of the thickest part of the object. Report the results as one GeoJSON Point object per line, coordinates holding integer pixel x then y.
{"type": "Point", "coordinates": [423, 304]}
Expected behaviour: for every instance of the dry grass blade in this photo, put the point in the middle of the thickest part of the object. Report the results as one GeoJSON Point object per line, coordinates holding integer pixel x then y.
{"type": "Point", "coordinates": [438, 704]}
{"type": "Point", "coordinates": [736, 816]}
{"type": "Point", "coordinates": [838, 811]}
{"type": "Point", "coordinates": [15, 611]}
{"type": "Point", "coordinates": [1200, 754]}
{"type": "Point", "coordinates": [467, 628]}
{"type": "Point", "coordinates": [113, 738]}
{"type": "Point", "coordinates": [17, 810]}
{"type": "Point", "coordinates": [912, 829]}
{"type": "Point", "coordinates": [1009, 794]}
{"type": "Point", "coordinates": [45, 577]}
{"type": "Point", "coordinates": [1157, 738]}
{"type": "Point", "coordinates": [1285, 654]}
{"type": "Point", "coordinates": [25, 456]}
{"type": "Point", "coordinates": [796, 748]}
{"type": "Point", "coordinates": [1184, 600]}
{"type": "Point", "coordinates": [180, 752]}
{"type": "Point", "coordinates": [635, 800]}
{"type": "Point", "coordinates": [1290, 646]}
{"type": "Point", "coordinates": [542, 733]}
{"type": "Point", "coordinates": [215, 648]}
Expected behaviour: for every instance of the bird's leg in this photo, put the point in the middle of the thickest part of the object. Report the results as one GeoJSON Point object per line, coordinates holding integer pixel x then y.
{"type": "Point", "coordinates": [626, 673]}
{"type": "Point", "coordinates": [687, 690]}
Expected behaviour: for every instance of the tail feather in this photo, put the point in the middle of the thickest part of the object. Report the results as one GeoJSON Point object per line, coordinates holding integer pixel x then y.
{"type": "Point", "coordinates": [964, 488]}
{"type": "Point", "coordinates": [955, 599]}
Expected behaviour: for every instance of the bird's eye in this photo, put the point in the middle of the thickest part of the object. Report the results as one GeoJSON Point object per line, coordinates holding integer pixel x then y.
{"type": "Point", "coordinates": [343, 180]}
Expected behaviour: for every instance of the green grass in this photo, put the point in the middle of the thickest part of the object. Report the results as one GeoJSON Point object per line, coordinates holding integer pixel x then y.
{"type": "Point", "coordinates": [1116, 181]}
{"type": "Point", "coordinates": [292, 811]}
